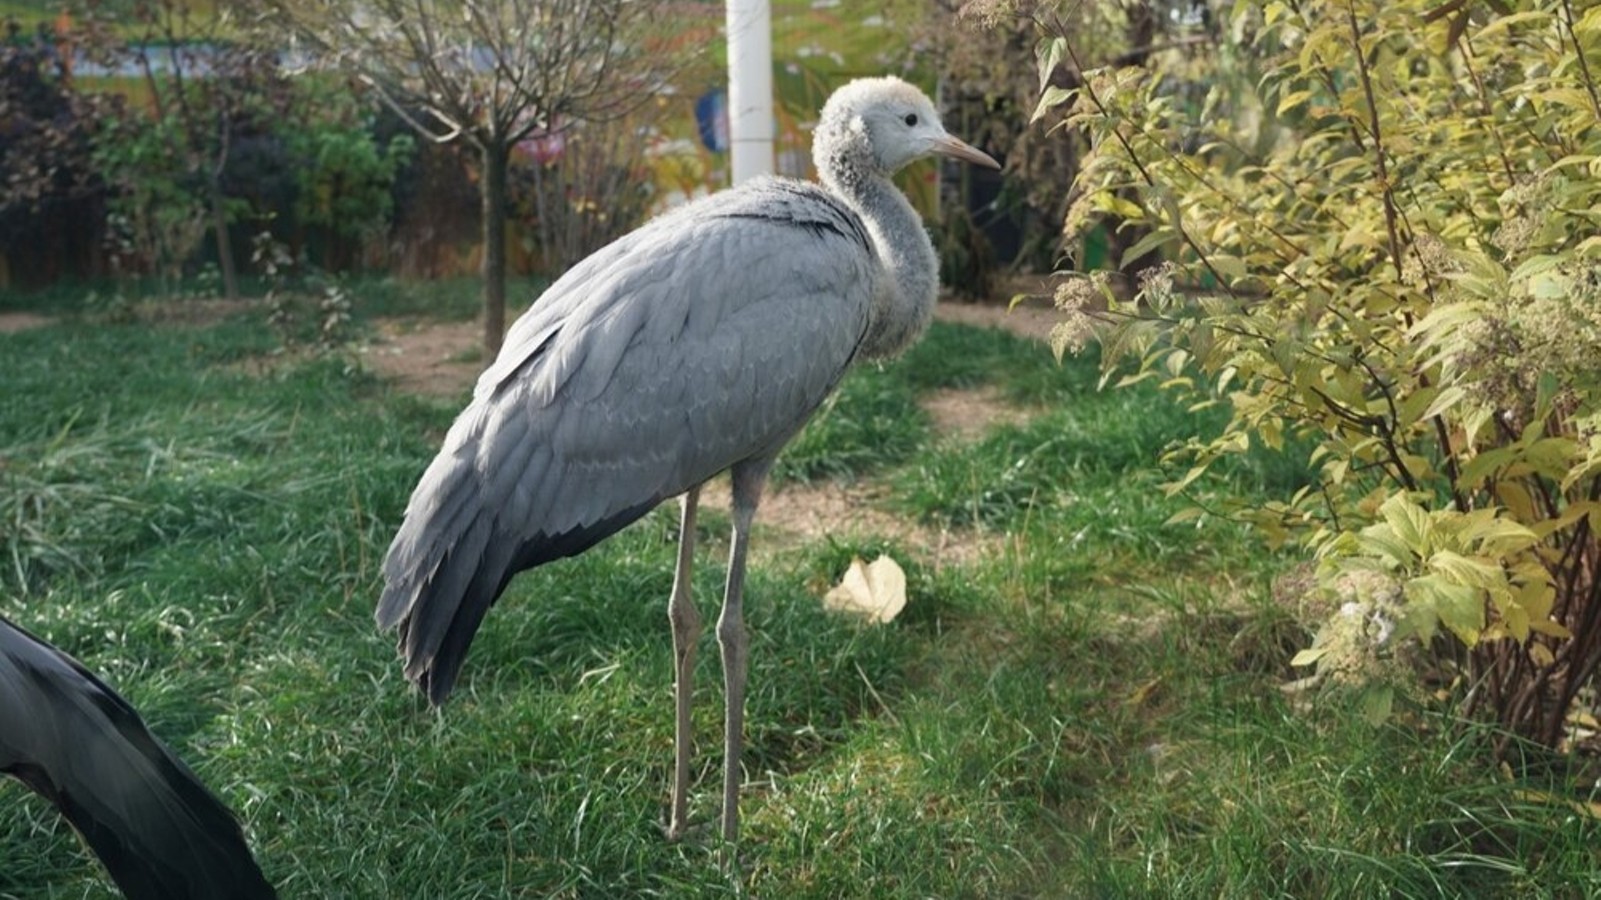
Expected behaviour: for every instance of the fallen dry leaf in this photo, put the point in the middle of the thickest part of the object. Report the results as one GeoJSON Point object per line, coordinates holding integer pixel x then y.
{"type": "Point", "coordinates": [876, 592]}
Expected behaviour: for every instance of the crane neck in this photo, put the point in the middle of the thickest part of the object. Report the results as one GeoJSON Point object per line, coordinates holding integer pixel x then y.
{"type": "Point", "coordinates": [903, 301]}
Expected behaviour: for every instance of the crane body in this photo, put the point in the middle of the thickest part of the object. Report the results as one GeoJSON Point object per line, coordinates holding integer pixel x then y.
{"type": "Point", "coordinates": [698, 344]}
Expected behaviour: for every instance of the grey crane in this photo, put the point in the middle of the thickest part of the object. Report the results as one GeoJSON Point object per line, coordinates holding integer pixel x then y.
{"type": "Point", "coordinates": [157, 829]}
{"type": "Point", "coordinates": [698, 344]}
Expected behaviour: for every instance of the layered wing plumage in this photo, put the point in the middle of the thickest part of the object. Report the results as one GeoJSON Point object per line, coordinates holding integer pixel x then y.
{"type": "Point", "coordinates": [705, 338]}
{"type": "Point", "coordinates": [159, 832]}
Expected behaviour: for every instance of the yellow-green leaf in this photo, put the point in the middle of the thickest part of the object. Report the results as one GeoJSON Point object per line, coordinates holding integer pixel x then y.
{"type": "Point", "coordinates": [1447, 398]}
{"type": "Point", "coordinates": [1308, 656]}
{"type": "Point", "coordinates": [1292, 100]}
{"type": "Point", "coordinates": [1458, 608]}
{"type": "Point", "coordinates": [1188, 479]}
{"type": "Point", "coordinates": [1409, 521]}
{"type": "Point", "coordinates": [1552, 456]}
{"type": "Point", "coordinates": [1050, 98]}
{"type": "Point", "coordinates": [1187, 514]}
{"type": "Point", "coordinates": [1380, 541]}
{"type": "Point", "coordinates": [1377, 702]}
{"type": "Point", "coordinates": [1467, 570]}
{"type": "Point", "coordinates": [1049, 54]}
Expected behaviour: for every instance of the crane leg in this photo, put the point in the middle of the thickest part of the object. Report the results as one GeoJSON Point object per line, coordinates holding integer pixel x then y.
{"type": "Point", "coordinates": [748, 478]}
{"type": "Point", "coordinates": [685, 620]}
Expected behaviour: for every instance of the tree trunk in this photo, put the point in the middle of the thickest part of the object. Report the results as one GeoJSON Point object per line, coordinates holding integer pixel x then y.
{"type": "Point", "coordinates": [219, 225]}
{"type": "Point", "coordinates": [492, 190]}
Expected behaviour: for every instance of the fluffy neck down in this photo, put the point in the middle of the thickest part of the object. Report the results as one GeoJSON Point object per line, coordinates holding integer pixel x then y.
{"type": "Point", "coordinates": [903, 301]}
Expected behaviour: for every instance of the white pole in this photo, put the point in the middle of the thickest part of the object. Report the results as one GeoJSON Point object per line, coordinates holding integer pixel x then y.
{"type": "Point", "coordinates": [750, 88]}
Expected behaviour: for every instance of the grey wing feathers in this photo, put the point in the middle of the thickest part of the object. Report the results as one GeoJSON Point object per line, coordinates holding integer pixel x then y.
{"type": "Point", "coordinates": [159, 832]}
{"type": "Point", "coordinates": [705, 338]}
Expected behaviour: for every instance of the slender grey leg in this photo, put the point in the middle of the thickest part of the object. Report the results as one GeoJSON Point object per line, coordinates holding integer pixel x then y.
{"type": "Point", "coordinates": [686, 631]}
{"type": "Point", "coordinates": [749, 477]}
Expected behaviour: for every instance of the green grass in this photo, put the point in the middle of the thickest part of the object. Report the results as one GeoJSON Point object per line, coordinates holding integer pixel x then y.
{"type": "Point", "coordinates": [448, 299]}
{"type": "Point", "coordinates": [1091, 710]}
{"type": "Point", "coordinates": [874, 422]}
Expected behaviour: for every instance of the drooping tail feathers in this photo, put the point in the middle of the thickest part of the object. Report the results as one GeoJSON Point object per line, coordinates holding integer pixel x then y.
{"type": "Point", "coordinates": [453, 556]}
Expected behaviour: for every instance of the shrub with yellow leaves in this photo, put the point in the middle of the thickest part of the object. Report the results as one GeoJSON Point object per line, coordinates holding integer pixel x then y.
{"type": "Point", "coordinates": [1385, 246]}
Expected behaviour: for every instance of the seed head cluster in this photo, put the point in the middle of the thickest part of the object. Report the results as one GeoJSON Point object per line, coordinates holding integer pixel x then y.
{"type": "Point", "coordinates": [1077, 297]}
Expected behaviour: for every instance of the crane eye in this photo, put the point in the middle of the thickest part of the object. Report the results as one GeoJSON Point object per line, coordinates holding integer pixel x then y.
{"type": "Point", "coordinates": [911, 119]}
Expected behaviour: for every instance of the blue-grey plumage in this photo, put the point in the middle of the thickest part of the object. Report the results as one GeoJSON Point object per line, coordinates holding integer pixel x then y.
{"type": "Point", "coordinates": [637, 376]}
{"type": "Point", "coordinates": [698, 344]}
{"type": "Point", "coordinates": [159, 832]}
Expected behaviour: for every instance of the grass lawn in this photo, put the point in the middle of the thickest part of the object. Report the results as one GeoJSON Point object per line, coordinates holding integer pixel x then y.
{"type": "Point", "coordinates": [1091, 710]}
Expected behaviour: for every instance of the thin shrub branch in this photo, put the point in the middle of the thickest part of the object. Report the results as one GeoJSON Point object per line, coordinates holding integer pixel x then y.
{"type": "Point", "coordinates": [1381, 169]}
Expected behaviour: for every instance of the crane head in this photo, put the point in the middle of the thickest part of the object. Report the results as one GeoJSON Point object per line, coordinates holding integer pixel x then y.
{"type": "Point", "coordinates": [882, 124]}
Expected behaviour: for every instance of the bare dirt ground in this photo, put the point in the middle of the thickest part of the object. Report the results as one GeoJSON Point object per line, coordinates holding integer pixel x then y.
{"type": "Point", "coordinates": [798, 513]}
{"type": "Point", "coordinates": [186, 313]}
{"type": "Point", "coordinates": [440, 359]}
{"type": "Point", "coordinates": [1030, 319]}
{"type": "Point", "coordinates": [13, 322]}
{"type": "Point", "coordinates": [966, 414]}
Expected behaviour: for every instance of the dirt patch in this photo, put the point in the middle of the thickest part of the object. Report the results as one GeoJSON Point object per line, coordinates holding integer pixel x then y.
{"type": "Point", "coordinates": [193, 312]}
{"type": "Point", "coordinates": [800, 513]}
{"type": "Point", "coordinates": [965, 414]}
{"type": "Point", "coordinates": [188, 312]}
{"type": "Point", "coordinates": [13, 322]}
{"type": "Point", "coordinates": [440, 359]}
{"type": "Point", "coordinates": [1030, 319]}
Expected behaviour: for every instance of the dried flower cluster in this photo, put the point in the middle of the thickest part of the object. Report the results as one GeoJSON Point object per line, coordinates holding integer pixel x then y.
{"type": "Point", "coordinates": [1427, 260]}
{"type": "Point", "coordinates": [992, 13]}
{"type": "Point", "coordinates": [1561, 322]}
{"type": "Point", "coordinates": [1518, 218]}
{"type": "Point", "coordinates": [1549, 326]}
{"type": "Point", "coordinates": [1077, 297]}
{"type": "Point", "coordinates": [1357, 641]}
{"type": "Point", "coordinates": [1156, 283]}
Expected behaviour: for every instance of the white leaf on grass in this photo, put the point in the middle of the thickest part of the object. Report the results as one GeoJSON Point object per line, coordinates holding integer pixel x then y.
{"type": "Point", "coordinates": [877, 592]}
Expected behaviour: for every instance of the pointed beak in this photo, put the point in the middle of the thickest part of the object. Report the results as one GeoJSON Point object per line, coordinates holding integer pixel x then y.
{"type": "Point", "coordinates": [949, 146]}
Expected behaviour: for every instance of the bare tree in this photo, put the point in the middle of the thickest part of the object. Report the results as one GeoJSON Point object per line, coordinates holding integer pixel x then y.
{"type": "Point", "coordinates": [490, 72]}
